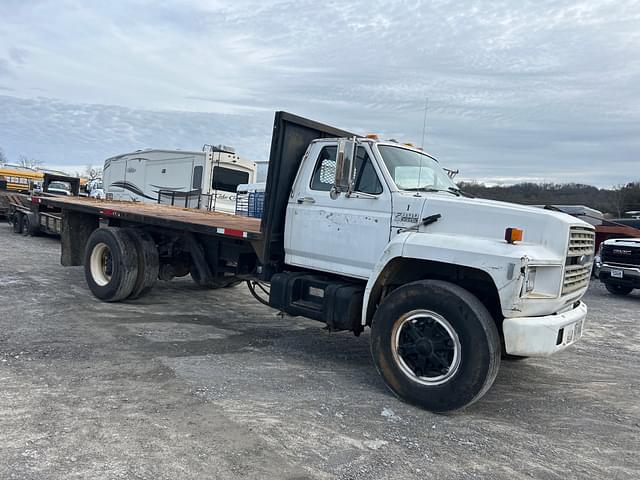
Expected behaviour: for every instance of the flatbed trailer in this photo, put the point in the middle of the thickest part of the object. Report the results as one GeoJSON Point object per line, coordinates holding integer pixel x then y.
{"type": "Point", "coordinates": [7, 198]}
{"type": "Point", "coordinates": [160, 215]}
{"type": "Point", "coordinates": [357, 232]}
{"type": "Point", "coordinates": [30, 216]}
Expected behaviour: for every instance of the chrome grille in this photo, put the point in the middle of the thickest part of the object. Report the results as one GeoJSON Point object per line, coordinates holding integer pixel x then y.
{"type": "Point", "coordinates": [579, 259]}
{"type": "Point", "coordinates": [581, 241]}
{"type": "Point", "coordinates": [575, 277]}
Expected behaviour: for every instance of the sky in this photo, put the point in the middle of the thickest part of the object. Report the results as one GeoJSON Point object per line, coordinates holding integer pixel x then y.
{"type": "Point", "coordinates": [513, 90]}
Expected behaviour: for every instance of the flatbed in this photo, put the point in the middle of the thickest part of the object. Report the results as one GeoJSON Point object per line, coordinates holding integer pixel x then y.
{"type": "Point", "coordinates": [186, 219]}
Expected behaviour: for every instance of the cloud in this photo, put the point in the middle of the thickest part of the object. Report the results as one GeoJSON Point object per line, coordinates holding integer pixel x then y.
{"type": "Point", "coordinates": [535, 89]}
{"type": "Point", "coordinates": [4, 68]}
{"type": "Point", "coordinates": [18, 55]}
{"type": "Point", "coordinates": [66, 134]}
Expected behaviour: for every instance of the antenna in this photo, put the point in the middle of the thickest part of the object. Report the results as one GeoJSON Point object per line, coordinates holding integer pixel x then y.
{"type": "Point", "coordinates": [424, 121]}
{"type": "Point", "coordinates": [424, 129]}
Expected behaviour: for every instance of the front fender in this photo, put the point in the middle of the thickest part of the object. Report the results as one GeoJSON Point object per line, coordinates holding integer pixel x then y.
{"type": "Point", "coordinates": [502, 261]}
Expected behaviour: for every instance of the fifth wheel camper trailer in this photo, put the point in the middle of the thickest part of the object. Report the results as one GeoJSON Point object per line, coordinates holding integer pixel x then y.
{"type": "Point", "coordinates": [206, 179]}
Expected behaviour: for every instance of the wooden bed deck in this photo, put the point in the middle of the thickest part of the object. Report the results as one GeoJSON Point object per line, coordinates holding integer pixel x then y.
{"type": "Point", "coordinates": [190, 219]}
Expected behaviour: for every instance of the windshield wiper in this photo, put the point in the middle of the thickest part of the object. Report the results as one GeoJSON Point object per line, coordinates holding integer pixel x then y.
{"type": "Point", "coordinates": [422, 189]}
{"type": "Point", "coordinates": [452, 190]}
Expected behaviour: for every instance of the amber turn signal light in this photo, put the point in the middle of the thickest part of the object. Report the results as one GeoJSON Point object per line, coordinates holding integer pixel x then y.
{"type": "Point", "coordinates": [513, 235]}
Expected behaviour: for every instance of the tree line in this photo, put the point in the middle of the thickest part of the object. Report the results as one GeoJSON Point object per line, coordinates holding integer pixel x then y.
{"type": "Point", "coordinates": [90, 171]}
{"type": "Point", "coordinates": [612, 201]}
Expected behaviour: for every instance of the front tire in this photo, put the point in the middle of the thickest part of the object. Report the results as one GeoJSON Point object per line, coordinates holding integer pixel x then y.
{"type": "Point", "coordinates": [435, 345]}
{"type": "Point", "coordinates": [620, 290]}
{"type": "Point", "coordinates": [111, 264]}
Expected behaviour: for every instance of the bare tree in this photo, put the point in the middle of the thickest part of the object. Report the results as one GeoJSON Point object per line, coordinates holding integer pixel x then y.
{"type": "Point", "coordinates": [25, 161]}
{"type": "Point", "coordinates": [618, 199]}
{"type": "Point", "coordinates": [92, 172]}
{"type": "Point", "coordinates": [3, 157]}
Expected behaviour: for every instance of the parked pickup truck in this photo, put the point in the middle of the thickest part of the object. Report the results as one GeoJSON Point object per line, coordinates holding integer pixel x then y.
{"type": "Point", "coordinates": [358, 232]}
{"type": "Point", "coordinates": [619, 265]}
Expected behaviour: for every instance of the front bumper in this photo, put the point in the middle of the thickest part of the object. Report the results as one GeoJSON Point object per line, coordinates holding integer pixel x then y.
{"type": "Point", "coordinates": [543, 336]}
{"type": "Point", "coordinates": [630, 275]}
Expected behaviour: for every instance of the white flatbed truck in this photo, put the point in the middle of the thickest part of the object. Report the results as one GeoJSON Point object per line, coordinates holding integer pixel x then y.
{"type": "Point", "coordinates": [358, 233]}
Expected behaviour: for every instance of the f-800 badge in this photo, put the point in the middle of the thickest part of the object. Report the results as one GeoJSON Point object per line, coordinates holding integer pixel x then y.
{"type": "Point", "coordinates": [406, 217]}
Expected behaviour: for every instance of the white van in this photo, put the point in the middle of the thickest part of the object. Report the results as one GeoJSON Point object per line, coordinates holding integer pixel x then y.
{"type": "Point", "coordinates": [206, 179]}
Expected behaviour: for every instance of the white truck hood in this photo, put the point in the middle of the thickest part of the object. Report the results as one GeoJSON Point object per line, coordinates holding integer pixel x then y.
{"type": "Point", "coordinates": [480, 218]}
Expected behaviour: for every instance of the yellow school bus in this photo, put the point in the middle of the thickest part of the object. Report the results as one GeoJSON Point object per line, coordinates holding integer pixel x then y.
{"type": "Point", "coordinates": [19, 179]}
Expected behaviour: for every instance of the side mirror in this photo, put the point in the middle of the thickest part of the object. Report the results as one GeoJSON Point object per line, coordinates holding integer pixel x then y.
{"type": "Point", "coordinates": [343, 182]}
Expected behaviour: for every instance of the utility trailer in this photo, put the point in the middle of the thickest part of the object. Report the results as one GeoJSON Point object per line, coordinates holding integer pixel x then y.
{"type": "Point", "coordinates": [30, 216]}
{"type": "Point", "coordinates": [358, 232]}
{"type": "Point", "coordinates": [7, 198]}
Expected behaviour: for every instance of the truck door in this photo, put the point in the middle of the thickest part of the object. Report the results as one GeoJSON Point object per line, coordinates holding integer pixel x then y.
{"type": "Point", "coordinates": [345, 235]}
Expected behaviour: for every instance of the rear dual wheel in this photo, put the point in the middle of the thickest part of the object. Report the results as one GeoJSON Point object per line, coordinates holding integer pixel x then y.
{"type": "Point", "coordinates": [29, 226]}
{"type": "Point", "coordinates": [120, 263]}
{"type": "Point", "coordinates": [435, 345]}
{"type": "Point", "coordinates": [148, 262]}
{"type": "Point", "coordinates": [17, 222]}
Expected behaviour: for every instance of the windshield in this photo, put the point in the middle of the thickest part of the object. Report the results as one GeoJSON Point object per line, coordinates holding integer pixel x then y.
{"type": "Point", "coordinates": [60, 185]}
{"type": "Point", "coordinates": [413, 170]}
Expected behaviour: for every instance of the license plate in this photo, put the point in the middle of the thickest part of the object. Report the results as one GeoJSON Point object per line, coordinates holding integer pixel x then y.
{"type": "Point", "coordinates": [617, 273]}
{"type": "Point", "coordinates": [572, 332]}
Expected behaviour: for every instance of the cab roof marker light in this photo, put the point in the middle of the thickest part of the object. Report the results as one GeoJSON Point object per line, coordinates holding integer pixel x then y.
{"type": "Point", "coordinates": [512, 235]}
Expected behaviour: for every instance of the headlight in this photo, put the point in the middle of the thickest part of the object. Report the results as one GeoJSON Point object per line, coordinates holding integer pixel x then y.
{"type": "Point", "coordinates": [542, 281]}
{"type": "Point", "coordinates": [530, 279]}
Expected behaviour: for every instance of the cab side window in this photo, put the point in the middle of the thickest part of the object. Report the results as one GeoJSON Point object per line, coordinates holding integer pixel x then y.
{"type": "Point", "coordinates": [325, 170]}
{"type": "Point", "coordinates": [366, 179]}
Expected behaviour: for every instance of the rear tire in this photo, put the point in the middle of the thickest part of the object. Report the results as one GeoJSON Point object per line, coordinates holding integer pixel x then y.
{"type": "Point", "coordinates": [435, 345]}
{"type": "Point", "coordinates": [618, 289]}
{"type": "Point", "coordinates": [26, 225]}
{"type": "Point", "coordinates": [17, 223]}
{"type": "Point", "coordinates": [29, 225]}
{"type": "Point", "coordinates": [148, 262]}
{"type": "Point", "coordinates": [111, 264]}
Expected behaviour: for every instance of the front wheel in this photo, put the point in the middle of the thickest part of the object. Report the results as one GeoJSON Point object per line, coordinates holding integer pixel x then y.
{"type": "Point", "coordinates": [618, 289]}
{"type": "Point", "coordinates": [435, 345]}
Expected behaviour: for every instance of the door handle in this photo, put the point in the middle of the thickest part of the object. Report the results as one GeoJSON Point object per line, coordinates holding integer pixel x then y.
{"type": "Point", "coordinates": [306, 200]}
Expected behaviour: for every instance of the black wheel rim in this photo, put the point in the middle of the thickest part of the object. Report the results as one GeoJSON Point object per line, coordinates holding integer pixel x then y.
{"type": "Point", "coordinates": [426, 347]}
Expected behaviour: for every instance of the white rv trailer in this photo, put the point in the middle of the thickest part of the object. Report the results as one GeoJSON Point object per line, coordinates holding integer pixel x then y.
{"type": "Point", "coordinates": [206, 179]}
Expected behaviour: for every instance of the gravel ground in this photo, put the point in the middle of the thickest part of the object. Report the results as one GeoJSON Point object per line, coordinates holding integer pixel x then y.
{"type": "Point", "coordinates": [187, 383]}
